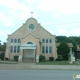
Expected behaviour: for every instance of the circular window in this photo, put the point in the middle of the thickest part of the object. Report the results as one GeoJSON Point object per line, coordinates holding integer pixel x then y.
{"type": "Point", "coordinates": [31, 26]}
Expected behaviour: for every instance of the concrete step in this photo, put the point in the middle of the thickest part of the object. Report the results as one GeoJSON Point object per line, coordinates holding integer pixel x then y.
{"type": "Point", "coordinates": [28, 60]}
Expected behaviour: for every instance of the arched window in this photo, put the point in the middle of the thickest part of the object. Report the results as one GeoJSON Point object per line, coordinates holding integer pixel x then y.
{"type": "Point", "coordinates": [29, 43]}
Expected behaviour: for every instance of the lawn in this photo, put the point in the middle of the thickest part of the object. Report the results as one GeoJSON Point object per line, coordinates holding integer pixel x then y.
{"type": "Point", "coordinates": [56, 63]}
{"type": "Point", "coordinates": [8, 62]}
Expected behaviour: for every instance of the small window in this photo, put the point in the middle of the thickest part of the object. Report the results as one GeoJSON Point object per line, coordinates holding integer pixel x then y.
{"type": "Point", "coordinates": [43, 40]}
{"type": "Point", "coordinates": [11, 40]}
{"type": "Point", "coordinates": [46, 40]}
{"type": "Point", "coordinates": [43, 49]}
{"type": "Point", "coordinates": [18, 40]}
{"type": "Point", "coordinates": [15, 40]}
{"type": "Point", "coordinates": [50, 41]}
{"type": "Point", "coordinates": [50, 49]}
{"type": "Point", "coordinates": [11, 50]}
{"type": "Point", "coordinates": [14, 49]}
{"type": "Point", "coordinates": [47, 49]}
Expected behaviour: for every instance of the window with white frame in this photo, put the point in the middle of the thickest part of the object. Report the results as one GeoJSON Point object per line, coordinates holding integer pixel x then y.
{"type": "Point", "coordinates": [43, 49]}
{"type": "Point", "coordinates": [46, 40]}
{"type": "Point", "coordinates": [15, 40]}
{"type": "Point", "coordinates": [11, 40]}
{"type": "Point", "coordinates": [50, 40]}
{"type": "Point", "coordinates": [18, 40]}
{"type": "Point", "coordinates": [11, 49]}
{"type": "Point", "coordinates": [50, 49]}
{"type": "Point", "coordinates": [43, 40]}
{"type": "Point", "coordinates": [18, 49]}
{"type": "Point", "coordinates": [14, 49]}
{"type": "Point", "coordinates": [47, 49]}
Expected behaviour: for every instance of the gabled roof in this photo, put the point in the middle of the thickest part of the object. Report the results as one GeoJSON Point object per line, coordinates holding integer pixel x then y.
{"type": "Point", "coordinates": [69, 44]}
{"type": "Point", "coordinates": [31, 34]}
{"type": "Point", "coordinates": [47, 31]}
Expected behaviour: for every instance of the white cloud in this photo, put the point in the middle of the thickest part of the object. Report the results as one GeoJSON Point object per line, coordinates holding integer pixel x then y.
{"type": "Point", "coordinates": [25, 15]}
{"type": "Point", "coordinates": [76, 31]}
{"type": "Point", "coordinates": [4, 32]}
{"type": "Point", "coordinates": [56, 15]}
{"type": "Point", "coordinates": [63, 6]}
{"type": "Point", "coordinates": [5, 19]}
{"type": "Point", "coordinates": [67, 32]}
{"type": "Point", "coordinates": [2, 16]}
{"type": "Point", "coordinates": [18, 9]}
{"type": "Point", "coordinates": [12, 4]}
{"type": "Point", "coordinates": [31, 1]}
{"type": "Point", "coordinates": [62, 31]}
{"type": "Point", "coordinates": [13, 13]}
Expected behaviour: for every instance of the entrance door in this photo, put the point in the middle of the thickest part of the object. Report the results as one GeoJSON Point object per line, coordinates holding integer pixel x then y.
{"type": "Point", "coordinates": [29, 55]}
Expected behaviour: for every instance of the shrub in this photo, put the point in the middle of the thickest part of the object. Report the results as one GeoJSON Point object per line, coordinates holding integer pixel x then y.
{"type": "Point", "coordinates": [2, 56]}
{"type": "Point", "coordinates": [41, 58]}
{"type": "Point", "coordinates": [51, 58]}
{"type": "Point", "coordinates": [60, 58]}
{"type": "Point", "coordinates": [6, 58]}
{"type": "Point", "coordinates": [16, 58]}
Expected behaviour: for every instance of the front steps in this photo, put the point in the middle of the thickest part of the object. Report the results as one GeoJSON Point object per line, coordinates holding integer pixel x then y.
{"type": "Point", "coordinates": [28, 60]}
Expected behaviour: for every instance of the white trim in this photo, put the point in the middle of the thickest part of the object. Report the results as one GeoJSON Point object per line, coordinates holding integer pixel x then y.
{"type": "Point", "coordinates": [31, 34]}
{"type": "Point", "coordinates": [28, 46]}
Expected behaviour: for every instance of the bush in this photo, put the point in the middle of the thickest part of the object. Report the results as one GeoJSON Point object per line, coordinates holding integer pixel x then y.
{"type": "Point", "coordinates": [2, 56]}
{"type": "Point", "coordinates": [6, 59]}
{"type": "Point", "coordinates": [41, 58]}
{"type": "Point", "coordinates": [60, 58]}
{"type": "Point", "coordinates": [51, 58]}
{"type": "Point", "coordinates": [16, 58]}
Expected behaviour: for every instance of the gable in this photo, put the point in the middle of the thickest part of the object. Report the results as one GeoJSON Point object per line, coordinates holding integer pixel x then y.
{"type": "Point", "coordinates": [38, 30]}
{"type": "Point", "coordinates": [30, 33]}
{"type": "Point", "coordinates": [42, 33]}
{"type": "Point", "coordinates": [29, 38]}
{"type": "Point", "coordinates": [23, 30]}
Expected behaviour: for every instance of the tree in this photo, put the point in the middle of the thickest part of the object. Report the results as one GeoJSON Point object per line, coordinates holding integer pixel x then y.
{"type": "Point", "coordinates": [63, 50]}
{"type": "Point", "coordinates": [2, 46]}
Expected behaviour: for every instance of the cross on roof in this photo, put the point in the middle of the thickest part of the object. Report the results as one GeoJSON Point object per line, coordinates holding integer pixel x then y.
{"type": "Point", "coordinates": [31, 13]}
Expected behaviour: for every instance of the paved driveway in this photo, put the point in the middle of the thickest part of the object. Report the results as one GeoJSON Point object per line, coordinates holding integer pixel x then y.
{"type": "Point", "coordinates": [37, 74]}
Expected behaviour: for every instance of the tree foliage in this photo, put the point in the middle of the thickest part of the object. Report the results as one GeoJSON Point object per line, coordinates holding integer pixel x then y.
{"type": "Point", "coordinates": [73, 39]}
{"type": "Point", "coordinates": [3, 46]}
{"type": "Point", "coordinates": [63, 50]}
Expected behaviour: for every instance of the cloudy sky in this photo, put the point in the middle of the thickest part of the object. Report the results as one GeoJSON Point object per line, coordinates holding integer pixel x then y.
{"type": "Point", "coordinates": [59, 17]}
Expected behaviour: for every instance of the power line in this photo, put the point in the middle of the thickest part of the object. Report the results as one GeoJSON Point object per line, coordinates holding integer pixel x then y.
{"type": "Point", "coordinates": [63, 23]}
{"type": "Point", "coordinates": [46, 25]}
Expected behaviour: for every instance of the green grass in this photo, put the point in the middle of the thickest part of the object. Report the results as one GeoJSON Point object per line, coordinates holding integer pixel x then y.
{"type": "Point", "coordinates": [8, 62]}
{"type": "Point", "coordinates": [56, 63]}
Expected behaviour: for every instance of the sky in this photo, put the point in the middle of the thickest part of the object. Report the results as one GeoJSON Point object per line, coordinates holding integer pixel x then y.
{"type": "Point", "coordinates": [59, 17]}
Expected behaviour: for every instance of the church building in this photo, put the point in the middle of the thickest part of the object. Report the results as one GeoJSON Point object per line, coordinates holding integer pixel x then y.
{"type": "Point", "coordinates": [29, 42]}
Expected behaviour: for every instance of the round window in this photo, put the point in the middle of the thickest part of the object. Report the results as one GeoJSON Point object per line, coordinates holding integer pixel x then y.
{"type": "Point", "coordinates": [31, 26]}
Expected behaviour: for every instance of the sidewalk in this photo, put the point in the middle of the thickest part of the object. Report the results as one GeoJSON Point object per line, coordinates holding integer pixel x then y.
{"type": "Point", "coordinates": [57, 67]}
{"type": "Point", "coordinates": [33, 66]}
